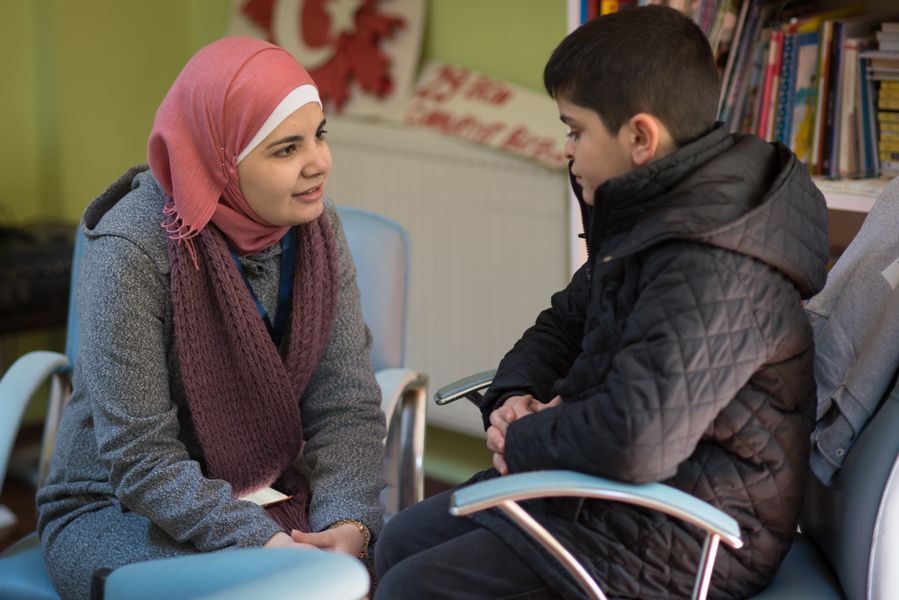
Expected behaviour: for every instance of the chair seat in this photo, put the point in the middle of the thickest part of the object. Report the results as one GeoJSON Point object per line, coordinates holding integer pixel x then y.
{"type": "Point", "coordinates": [804, 575]}
{"type": "Point", "coordinates": [23, 575]}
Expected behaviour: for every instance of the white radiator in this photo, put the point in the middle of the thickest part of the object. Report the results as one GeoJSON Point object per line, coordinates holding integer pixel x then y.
{"type": "Point", "coordinates": [489, 243]}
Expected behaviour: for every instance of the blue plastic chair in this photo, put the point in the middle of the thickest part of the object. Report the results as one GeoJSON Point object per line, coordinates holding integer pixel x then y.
{"type": "Point", "coordinates": [380, 251]}
{"type": "Point", "coordinates": [848, 548]}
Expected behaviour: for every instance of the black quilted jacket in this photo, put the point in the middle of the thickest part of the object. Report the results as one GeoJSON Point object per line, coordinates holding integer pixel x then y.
{"type": "Point", "coordinates": [683, 355]}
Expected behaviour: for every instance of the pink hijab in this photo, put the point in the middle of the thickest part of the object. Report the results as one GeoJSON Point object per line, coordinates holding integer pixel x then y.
{"type": "Point", "coordinates": [225, 101]}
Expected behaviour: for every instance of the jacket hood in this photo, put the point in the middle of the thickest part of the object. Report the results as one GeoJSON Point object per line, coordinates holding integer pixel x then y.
{"type": "Point", "coordinates": [732, 191]}
{"type": "Point", "coordinates": [120, 188]}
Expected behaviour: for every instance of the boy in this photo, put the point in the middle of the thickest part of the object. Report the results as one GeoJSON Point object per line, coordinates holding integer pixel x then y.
{"type": "Point", "coordinates": [678, 353]}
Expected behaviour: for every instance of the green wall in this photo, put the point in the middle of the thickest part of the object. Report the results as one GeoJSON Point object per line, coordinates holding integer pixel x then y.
{"type": "Point", "coordinates": [82, 80]}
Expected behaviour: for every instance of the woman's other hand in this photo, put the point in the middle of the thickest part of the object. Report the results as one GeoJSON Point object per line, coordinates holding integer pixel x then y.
{"type": "Point", "coordinates": [346, 539]}
{"type": "Point", "coordinates": [282, 540]}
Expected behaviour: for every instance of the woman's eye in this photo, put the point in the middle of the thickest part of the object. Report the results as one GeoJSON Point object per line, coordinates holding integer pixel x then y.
{"type": "Point", "coordinates": [321, 134]}
{"type": "Point", "coordinates": [286, 150]}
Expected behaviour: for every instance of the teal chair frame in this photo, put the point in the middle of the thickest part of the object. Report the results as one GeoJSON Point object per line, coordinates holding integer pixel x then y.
{"type": "Point", "coordinates": [380, 250]}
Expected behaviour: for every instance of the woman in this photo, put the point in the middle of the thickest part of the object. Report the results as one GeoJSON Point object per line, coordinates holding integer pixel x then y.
{"type": "Point", "coordinates": [222, 355]}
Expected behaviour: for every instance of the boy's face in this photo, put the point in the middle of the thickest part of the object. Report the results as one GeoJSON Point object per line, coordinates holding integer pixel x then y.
{"type": "Point", "coordinates": [598, 154]}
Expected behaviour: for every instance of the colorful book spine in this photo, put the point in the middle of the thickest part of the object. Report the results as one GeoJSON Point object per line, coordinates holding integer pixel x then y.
{"type": "Point", "coordinates": [825, 52]}
{"type": "Point", "coordinates": [772, 74]}
{"type": "Point", "coordinates": [784, 93]}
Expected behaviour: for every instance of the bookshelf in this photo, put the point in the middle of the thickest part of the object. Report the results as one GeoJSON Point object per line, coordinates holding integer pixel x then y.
{"type": "Point", "coordinates": [783, 79]}
{"type": "Point", "coordinates": [850, 195]}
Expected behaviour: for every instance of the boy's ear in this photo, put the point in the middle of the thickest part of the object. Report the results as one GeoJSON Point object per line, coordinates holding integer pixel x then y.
{"type": "Point", "coordinates": [649, 139]}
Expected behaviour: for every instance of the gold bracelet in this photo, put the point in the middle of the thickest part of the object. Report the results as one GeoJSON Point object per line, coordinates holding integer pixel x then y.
{"type": "Point", "coordinates": [366, 534]}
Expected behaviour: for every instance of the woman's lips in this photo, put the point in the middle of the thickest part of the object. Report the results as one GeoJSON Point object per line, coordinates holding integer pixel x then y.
{"type": "Point", "coordinates": [311, 195]}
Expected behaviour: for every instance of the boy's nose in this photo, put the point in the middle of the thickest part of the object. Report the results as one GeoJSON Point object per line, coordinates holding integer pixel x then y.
{"type": "Point", "coordinates": [569, 149]}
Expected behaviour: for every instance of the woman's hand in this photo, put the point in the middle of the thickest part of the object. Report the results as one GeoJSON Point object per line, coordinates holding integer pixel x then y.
{"type": "Point", "coordinates": [344, 538]}
{"type": "Point", "coordinates": [282, 540]}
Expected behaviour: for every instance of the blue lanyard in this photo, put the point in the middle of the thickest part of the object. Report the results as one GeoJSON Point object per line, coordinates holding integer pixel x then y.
{"type": "Point", "coordinates": [285, 287]}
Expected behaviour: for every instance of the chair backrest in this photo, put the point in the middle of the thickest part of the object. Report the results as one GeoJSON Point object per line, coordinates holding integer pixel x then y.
{"type": "Point", "coordinates": [72, 322]}
{"type": "Point", "coordinates": [380, 249]}
{"type": "Point", "coordinates": [855, 521]}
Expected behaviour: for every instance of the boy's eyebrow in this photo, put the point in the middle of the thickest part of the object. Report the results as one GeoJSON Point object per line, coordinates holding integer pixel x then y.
{"type": "Point", "coordinates": [567, 120]}
{"type": "Point", "coordinates": [294, 138]}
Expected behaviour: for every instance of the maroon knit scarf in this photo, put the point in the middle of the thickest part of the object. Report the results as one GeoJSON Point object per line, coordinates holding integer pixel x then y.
{"type": "Point", "coordinates": [244, 397]}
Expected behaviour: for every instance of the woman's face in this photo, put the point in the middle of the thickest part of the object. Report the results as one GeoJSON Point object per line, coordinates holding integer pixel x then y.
{"type": "Point", "coordinates": [283, 178]}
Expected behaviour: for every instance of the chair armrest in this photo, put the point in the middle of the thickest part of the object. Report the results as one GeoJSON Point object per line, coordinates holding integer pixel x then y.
{"type": "Point", "coordinates": [545, 484]}
{"type": "Point", "coordinates": [404, 401]}
{"type": "Point", "coordinates": [242, 573]}
{"type": "Point", "coordinates": [23, 378]}
{"type": "Point", "coordinates": [503, 492]}
{"type": "Point", "coordinates": [393, 383]}
{"type": "Point", "coordinates": [468, 388]}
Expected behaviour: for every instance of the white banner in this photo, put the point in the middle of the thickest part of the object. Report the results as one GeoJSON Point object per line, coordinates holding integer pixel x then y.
{"type": "Point", "coordinates": [488, 111]}
{"type": "Point", "coordinates": [361, 53]}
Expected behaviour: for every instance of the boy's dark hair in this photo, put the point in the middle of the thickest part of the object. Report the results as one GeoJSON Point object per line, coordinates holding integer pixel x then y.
{"type": "Point", "coordinates": [651, 59]}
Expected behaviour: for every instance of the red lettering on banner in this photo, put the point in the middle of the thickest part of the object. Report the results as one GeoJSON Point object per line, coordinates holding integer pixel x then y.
{"type": "Point", "coordinates": [520, 140]}
{"type": "Point", "coordinates": [445, 85]}
{"type": "Point", "coordinates": [467, 125]}
{"type": "Point", "coordinates": [488, 90]}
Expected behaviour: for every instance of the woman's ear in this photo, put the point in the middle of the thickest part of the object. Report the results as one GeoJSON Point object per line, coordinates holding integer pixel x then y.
{"type": "Point", "coordinates": [649, 139]}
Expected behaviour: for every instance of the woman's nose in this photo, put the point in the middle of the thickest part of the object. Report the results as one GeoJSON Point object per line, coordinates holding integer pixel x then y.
{"type": "Point", "coordinates": [318, 163]}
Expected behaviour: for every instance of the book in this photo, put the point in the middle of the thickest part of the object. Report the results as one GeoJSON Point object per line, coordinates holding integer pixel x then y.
{"type": "Point", "coordinates": [740, 80]}
{"type": "Point", "coordinates": [830, 150]}
{"type": "Point", "coordinates": [771, 84]}
{"type": "Point", "coordinates": [803, 98]}
{"type": "Point", "coordinates": [265, 497]}
{"type": "Point", "coordinates": [737, 43]}
{"type": "Point", "coordinates": [861, 27]}
{"type": "Point", "coordinates": [867, 124]}
{"type": "Point", "coordinates": [889, 168]}
{"type": "Point", "coordinates": [784, 103]}
{"type": "Point", "coordinates": [752, 108]}
{"type": "Point", "coordinates": [847, 136]}
{"type": "Point", "coordinates": [886, 36]}
{"type": "Point", "coordinates": [825, 53]}
{"type": "Point", "coordinates": [888, 146]}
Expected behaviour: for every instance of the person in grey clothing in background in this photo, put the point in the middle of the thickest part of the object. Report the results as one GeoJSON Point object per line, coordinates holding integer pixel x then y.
{"type": "Point", "coordinates": [856, 323]}
{"type": "Point", "coordinates": [223, 394]}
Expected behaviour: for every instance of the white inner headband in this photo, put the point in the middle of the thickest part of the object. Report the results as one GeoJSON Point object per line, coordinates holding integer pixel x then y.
{"type": "Point", "coordinates": [300, 96]}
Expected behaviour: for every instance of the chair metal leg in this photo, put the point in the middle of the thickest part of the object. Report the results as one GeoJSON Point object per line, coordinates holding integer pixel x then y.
{"type": "Point", "coordinates": [706, 566]}
{"type": "Point", "coordinates": [412, 442]}
{"type": "Point", "coordinates": [537, 531]}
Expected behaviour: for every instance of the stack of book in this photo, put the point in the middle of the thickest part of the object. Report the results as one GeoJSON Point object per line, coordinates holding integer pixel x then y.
{"type": "Point", "coordinates": [882, 69]}
{"type": "Point", "coordinates": [803, 77]}
{"type": "Point", "coordinates": [824, 83]}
